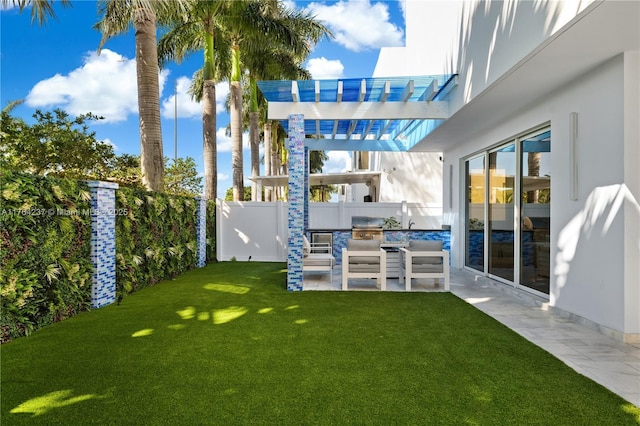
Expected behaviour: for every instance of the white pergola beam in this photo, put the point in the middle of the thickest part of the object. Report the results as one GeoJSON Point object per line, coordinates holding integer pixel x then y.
{"type": "Point", "coordinates": [340, 90]}
{"type": "Point", "coordinates": [335, 129]}
{"type": "Point", "coordinates": [408, 91]}
{"type": "Point", "coordinates": [352, 127]}
{"type": "Point", "coordinates": [386, 92]}
{"type": "Point", "coordinates": [435, 110]}
{"type": "Point", "coordinates": [384, 128]}
{"type": "Point", "coordinates": [366, 131]}
{"type": "Point", "coordinates": [402, 128]}
{"type": "Point", "coordinates": [431, 91]}
{"type": "Point", "coordinates": [295, 93]}
{"type": "Point", "coordinates": [363, 90]}
{"type": "Point", "coordinates": [317, 91]}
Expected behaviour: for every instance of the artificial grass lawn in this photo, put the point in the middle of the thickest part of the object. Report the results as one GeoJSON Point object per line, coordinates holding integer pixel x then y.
{"type": "Point", "coordinates": [227, 344]}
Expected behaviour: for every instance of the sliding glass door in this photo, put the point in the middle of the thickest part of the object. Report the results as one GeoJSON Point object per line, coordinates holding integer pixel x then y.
{"type": "Point", "coordinates": [508, 200]}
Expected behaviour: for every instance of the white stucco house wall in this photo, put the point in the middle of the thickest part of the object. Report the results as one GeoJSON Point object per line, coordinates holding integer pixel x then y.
{"type": "Point", "coordinates": [567, 72]}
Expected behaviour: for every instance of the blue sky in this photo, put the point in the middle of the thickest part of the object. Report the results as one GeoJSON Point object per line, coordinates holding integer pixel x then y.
{"type": "Point", "coordinates": [56, 66]}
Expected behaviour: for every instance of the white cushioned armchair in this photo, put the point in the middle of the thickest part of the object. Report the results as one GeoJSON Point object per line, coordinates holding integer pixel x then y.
{"type": "Point", "coordinates": [424, 259]}
{"type": "Point", "coordinates": [364, 259]}
{"type": "Point", "coordinates": [317, 257]}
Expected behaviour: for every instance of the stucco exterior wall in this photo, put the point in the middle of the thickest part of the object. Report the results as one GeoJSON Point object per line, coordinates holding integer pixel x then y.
{"type": "Point", "coordinates": [480, 39]}
{"type": "Point", "coordinates": [595, 240]}
{"type": "Point", "coordinates": [412, 177]}
{"type": "Point", "coordinates": [588, 235]}
{"type": "Point", "coordinates": [632, 200]}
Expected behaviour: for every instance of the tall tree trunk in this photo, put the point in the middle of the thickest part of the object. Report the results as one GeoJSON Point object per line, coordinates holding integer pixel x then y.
{"type": "Point", "coordinates": [236, 125]}
{"type": "Point", "coordinates": [275, 162]}
{"type": "Point", "coordinates": [151, 155]}
{"type": "Point", "coordinates": [254, 136]}
{"type": "Point", "coordinates": [209, 140]}
{"type": "Point", "coordinates": [267, 156]}
{"type": "Point", "coordinates": [236, 140]}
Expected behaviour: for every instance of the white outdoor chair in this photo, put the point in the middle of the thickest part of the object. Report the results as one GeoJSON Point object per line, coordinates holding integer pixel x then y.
{"type": "Point", "coordinates": [364, 259]}
{"type": "Point", "coordinates": [424, 259]}
{"type": "Point", "coordinates": [317, 257]}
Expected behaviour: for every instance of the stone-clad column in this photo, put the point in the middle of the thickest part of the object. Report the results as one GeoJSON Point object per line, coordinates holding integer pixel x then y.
{"type": "Point", "coordinates": [201, 231]}
{"type": "Point", "coordinates": [296, 201]}
{"type": "Point", "coordinates": [103, 242]}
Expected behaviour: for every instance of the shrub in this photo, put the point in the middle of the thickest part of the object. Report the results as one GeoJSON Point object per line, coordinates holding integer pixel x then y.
{"type": "Point", "coordinates": [45, 267]}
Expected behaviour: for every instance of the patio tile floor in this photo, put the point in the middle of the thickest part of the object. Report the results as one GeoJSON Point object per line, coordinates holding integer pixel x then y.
{"type": "Point", "coordinates": [605, 360]}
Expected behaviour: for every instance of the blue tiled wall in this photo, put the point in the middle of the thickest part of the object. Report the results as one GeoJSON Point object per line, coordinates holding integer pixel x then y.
{"type": "Point", "coordinates": [296, 201]}
{"type": "Point", "coordinates": [103, 242]}
{"type": "Point", "coordinates": [201, 230]}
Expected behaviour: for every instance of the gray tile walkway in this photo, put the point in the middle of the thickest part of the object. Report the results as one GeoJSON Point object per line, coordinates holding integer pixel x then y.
{"type": "Point", "coordinates": [607, 361]}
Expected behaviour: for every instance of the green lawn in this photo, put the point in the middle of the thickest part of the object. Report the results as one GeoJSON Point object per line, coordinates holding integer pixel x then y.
{"type": "Point", "coordinates": [227, 344]}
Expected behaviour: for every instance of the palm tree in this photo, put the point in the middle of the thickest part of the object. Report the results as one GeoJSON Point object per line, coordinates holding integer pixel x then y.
{"type": "Point", "coordinates": [200, 30]}
{"type": "Point", "coordinates": [117, 16]}
{"type": "Point", "coordinates": [264, 64]}
{"type": "Point", "coordinates": [41, 10]}
{"type": "Point", "coordinates": [261, 24]}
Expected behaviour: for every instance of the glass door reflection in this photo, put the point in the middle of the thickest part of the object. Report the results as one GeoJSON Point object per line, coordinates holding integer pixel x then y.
{"type": "Point", "coordinates": [502, 164]}
{"type": "Point", "coordinates": [475, 202]}
{"type": "Point", "coordinates": [536, 212]}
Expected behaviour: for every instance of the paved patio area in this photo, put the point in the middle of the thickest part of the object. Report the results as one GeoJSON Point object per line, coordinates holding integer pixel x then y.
{"type": "Point", "coordinates": [603, 359]}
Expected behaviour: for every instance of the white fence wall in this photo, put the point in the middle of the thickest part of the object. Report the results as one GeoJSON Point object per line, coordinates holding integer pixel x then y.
{"type": "Point", "coordinates": [256, 230]}
{"type": "Point", "coordinates": [259, 229]}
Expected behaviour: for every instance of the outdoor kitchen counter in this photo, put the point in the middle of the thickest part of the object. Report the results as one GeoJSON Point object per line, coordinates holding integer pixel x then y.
{"type": "Point", "coordinates": [384, 230]}
{"type": "Point", "coordinates": [339, 237]}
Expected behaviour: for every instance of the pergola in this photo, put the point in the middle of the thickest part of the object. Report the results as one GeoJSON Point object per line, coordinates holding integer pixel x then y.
{"type": "Point", "coordinates": [368, 114]}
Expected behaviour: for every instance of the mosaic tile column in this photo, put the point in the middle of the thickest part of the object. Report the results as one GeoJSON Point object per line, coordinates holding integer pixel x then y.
{"type": "Point", "coordinates": [296, 214]}
{"type": "Point", "coordinates": [201, 232]}
{"type": "Point", "coordinates": [103, 242]}
{"type": "Point", "coordinates": [306, 188]}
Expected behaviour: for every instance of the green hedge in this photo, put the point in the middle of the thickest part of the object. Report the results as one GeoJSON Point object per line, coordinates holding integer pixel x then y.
{"type": "Point", "coordinates": [211, 231]}
{"type": "Point", "coordinates": [156, 240]}
{"type": "Point", "coordinates": [45, 246]}
{"type": "Point", "coordinates": [45, 266]}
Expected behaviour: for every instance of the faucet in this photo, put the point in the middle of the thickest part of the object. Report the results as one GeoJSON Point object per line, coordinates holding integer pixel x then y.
{"type": "Point", "coordinates": [411, 223]}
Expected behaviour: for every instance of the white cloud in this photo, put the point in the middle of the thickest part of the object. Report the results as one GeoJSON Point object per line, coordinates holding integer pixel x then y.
{"type": "Point", "coordinates": [108, 142]}
{"type": "Point", "coordinates": [222, 91]}
{"type": "Point", "coordinates": [223, 142]}
{"type": "Point", "coordinates": [323, 68]}
{"type": "Point", "coordinates": [403, 7]}
{"type": "Point", "coordinates": [358, 24]}
{"type": "Point", "coordinates": [187, 107]}
{"type": "Point", "coordinates": [223, 177]}
{"type": "Point", "coordinates": [290, 4]}
{"type": "Point", "coordinates": [104, 85]}
{"type": "Point", "coordinates": [338, 162]}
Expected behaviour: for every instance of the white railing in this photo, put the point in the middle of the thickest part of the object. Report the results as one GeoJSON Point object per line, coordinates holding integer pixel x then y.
{"type": "Point", "coordinates": [258, 230]}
